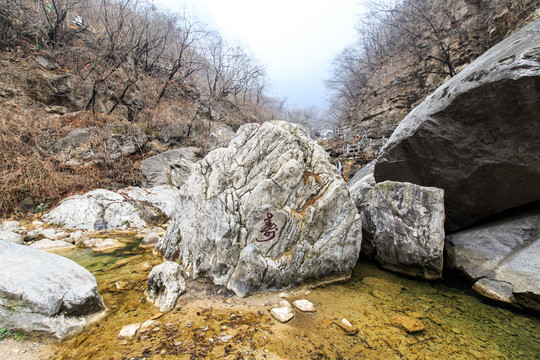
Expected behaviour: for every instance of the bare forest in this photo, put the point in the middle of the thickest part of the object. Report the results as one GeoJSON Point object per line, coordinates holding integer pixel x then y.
{"type": "Point", "coordinates": [165, 78]}
{"type": "Point", "coordinates": [418, 44]}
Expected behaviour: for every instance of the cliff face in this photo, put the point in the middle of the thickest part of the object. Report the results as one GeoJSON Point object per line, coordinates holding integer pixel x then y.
{"type": "Point", "coordinates": [403, 78]}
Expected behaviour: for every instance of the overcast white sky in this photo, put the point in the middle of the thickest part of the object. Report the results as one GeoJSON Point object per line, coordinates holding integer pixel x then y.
{"type": "Point", "coordinates": [295, 40]}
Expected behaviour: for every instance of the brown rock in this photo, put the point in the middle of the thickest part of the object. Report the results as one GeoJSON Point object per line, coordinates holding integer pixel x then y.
{"type": "Point", "coordinates": [407, 323]}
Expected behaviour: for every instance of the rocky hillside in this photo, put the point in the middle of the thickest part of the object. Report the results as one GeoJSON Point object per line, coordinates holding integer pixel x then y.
{"type": "Point", "coordinates": [89, 89]}
{"type": "Point", "coordinates": [408, 50]}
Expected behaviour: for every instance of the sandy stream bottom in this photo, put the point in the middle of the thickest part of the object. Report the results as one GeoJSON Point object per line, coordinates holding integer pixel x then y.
{"type": "Point", "coordinates": [212, 323]}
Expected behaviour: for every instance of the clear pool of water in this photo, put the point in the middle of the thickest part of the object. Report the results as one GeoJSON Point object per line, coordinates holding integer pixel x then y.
{"type": "Point", "coordinates": [212, 323]}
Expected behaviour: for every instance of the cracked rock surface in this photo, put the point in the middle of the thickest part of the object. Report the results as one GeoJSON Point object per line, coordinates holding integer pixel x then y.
{"type": "Point", "coordinates": [268, 212]}
{"type": "Point", "coordinates": [404, 228]}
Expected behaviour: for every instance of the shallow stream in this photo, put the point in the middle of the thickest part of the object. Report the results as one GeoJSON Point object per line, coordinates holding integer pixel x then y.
{"type": "Point", "coordinates": [212, 323]}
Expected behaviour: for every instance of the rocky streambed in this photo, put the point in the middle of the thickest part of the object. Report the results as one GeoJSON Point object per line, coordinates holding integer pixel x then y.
{"type": "Point", "coordinates": [395, 317]}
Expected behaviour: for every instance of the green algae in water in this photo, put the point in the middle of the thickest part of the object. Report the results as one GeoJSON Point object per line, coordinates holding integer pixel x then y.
{"type": "Point", "coordinates": [458, 324]}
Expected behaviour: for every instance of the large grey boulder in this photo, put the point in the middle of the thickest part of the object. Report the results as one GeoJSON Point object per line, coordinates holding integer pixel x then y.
{"type": "Point", "coordinates": [124, 209]}
{"type": "Point", "coordinates": [477, 135]}
{"type": "Point", "coordinates": [45, 292]}
{"type": "Point", "coordinates": [169, 168]}
{"type": "Point", "coordinates": [502, 257]}
{"type": "Point", "coordinates": [220, 136]}
{"type": "Point", "coordinates": [403, 227]}
{"type": "Point", "coordinates": [165, 285]}
{"type": "Point", "coordinates": [268, 212]}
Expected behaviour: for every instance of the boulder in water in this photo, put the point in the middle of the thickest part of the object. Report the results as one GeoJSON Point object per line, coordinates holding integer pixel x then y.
{"type": "Point", "coordinates": [165, 285]}
{"type": "Point", "coordinates": [268, 212]}
{"type": "Point", "coordinates": [404, 227]}
{"type": "Point", "coordinates": [45, 292]}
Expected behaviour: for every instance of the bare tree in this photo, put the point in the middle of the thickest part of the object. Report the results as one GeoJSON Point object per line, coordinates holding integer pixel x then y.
{"type": "Point", "coordinates": [414, 27]}
{"type": "Point", "coordinates": [116, 46]}
{"type": "Point", "coordinates": [182, 58]}
{"type": "Point", "coordinates": [348, 75]}
{"type": "Point", "coordinates": [55, 13]}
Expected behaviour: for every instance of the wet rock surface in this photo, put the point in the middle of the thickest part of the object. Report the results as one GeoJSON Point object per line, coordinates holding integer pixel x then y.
{"type": "Point", "coordinates": [476, 136]}
{"type": "Point", "coordinates": [407, 323]}
{"type": "Point", "coordinates": [45, 292]}
{"type": "Point", "coordinates": [268, 212]}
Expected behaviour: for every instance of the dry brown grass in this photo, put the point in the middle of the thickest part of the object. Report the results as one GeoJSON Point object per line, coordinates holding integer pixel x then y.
{"type": "Point", "coordinates": [28, 171]}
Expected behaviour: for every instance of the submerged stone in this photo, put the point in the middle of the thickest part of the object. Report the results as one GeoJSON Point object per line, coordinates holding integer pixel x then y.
{"type": "Point", "coordinates": [348, 327]}
{"type": "Point", "coordinates": [408, 323]}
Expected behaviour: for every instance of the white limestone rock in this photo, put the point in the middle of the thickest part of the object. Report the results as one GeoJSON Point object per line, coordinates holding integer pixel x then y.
{"type": "Point", "coordinates": [150, 240]}
{"type": "Point", "coordinates": [11, 237]}
{"type": "Point", "coordinates": [45, 292]}
{"type": "Point", "coordinates": [102, 244]}
{"type": "Point", "coordinates": [128, 332]}
{"type": "Point", "coordinates": [9, 226]}
{"type": "Point", "coordinates": [165, 285]}
{"type": "Point", "coordinates": [125, 209]}
{"type": "Point", "coordinates": [51, 245]}
{"type": "Point", "coordinates": [304, 305]}
{"type": "Point", "coordinates": [282, 314]}
{"type": "Point", "coordinates": [266, 213]}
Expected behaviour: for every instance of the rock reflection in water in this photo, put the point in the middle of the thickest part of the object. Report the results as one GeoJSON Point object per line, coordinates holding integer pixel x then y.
{"type": "Point", "coordinates": [396, 317]}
